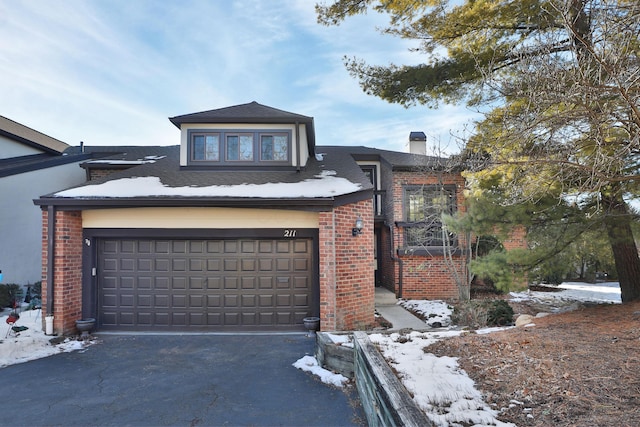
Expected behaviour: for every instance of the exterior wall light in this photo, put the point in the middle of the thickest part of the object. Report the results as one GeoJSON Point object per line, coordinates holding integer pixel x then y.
{"type": "Point", "coordinates": [358, 228]}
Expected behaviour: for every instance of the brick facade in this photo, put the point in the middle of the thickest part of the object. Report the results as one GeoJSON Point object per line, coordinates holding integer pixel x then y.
{"type": "Point", "coordinates": [420, 276]}
{"type": "Point", "coordinates": [67, 279]}
{"type": "Point", "coordinates": [346, 273]}
{"type": "Point", "coordinates": [347, 293]}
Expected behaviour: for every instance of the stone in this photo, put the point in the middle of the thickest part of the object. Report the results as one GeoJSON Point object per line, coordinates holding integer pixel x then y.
{"type": "Point", "coordinates": [524, 319]}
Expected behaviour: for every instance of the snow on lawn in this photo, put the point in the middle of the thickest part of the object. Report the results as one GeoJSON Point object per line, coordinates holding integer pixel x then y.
{"type": "Point", "coordinates": [31, 343]}
{"type": "Point", "coordinates": [605, 292]}
{"type": "Point", "coordinates": [437, 313]}
{"type": "Point", "coordinates": [440, 388]}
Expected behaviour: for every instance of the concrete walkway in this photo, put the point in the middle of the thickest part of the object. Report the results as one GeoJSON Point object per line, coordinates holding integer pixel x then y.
{"type": "Point", "coordinates": [400, 318]}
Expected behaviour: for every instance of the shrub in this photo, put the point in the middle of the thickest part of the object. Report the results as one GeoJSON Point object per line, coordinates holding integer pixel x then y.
{"type": "Point", "coordinates": [480, 313]}
{"type": "Point", "coordinates": [499, 313]}
{"type": "Point", "coordinates": [10, 293]}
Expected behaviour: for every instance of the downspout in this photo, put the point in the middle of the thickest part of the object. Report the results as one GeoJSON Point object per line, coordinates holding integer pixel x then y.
{"type": "Point", "coordinates": [395, 258]}
{"type": "Point", "coordinates": [298, 146]}
{"type": "Point", "coordinates": [51, 234]}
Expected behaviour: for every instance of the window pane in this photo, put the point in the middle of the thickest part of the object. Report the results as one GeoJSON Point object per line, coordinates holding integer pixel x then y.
{"type": "Point", "coordinates": [212, 148]}
{"type": "Point", "coordinates": [274, 147]}
{"type": "Point", "coordinates": [280, 148]}
{"type": "Point", "coordinates": [240, 147]}
{"type": "Point", "coordinates": [266, 147]}
{"type": "Point", "coordinates": [198, 147]}
{"type": "Point", "coordinates": [246, 147]}
{"type": "Point", "coordinates": [232, 148]}
{"type": "Point", "coordinates": [425, 206]}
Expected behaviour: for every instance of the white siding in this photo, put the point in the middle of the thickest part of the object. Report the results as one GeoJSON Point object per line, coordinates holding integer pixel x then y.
{"type": "Point", "coordinates": [21, 220]}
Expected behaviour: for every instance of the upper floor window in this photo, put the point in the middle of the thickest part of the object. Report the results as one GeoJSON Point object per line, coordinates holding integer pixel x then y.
{"type": "Point", "coordinates": [233, 147]}
{"type": "Point", "coordinates": [206, 147]}
{"type": "Point", "coordinates": [423, 209]}
{"type": "Point", "coordinates": [274, 147]}
{"type": "Point", "coordinates": [240, 147]}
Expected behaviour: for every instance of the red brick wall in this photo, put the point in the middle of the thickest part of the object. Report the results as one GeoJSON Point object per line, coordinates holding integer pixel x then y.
{"type": "Point", "coordinates": [428, 278]}
{"type": "Point", "coordinates": [67, 295]}
{"type": "Point", "coordinates": [517, 239]}
{"type": "Point", "coordinates": [424, 277]}
{"type": "Point", "coordinates": [347, 292]}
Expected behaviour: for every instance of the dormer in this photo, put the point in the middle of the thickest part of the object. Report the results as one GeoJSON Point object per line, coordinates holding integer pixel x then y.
{"type": "Point", "coordinates": [247, 136]}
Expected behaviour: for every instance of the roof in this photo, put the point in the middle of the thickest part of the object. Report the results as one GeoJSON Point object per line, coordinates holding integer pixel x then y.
{"type": "Point", "coordinates": [395, 159]}
{"type": "Point", "coordinates": [31, 137]}
{"type": "Point", "coordinates": [252, 112]}
{"type": "Point", "coordinates": [243, 113]}
{"type": "Point", "coordinates": [326, 181]}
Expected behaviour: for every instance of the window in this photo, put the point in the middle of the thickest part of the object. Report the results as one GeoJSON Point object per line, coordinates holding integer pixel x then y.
{"type": "Point", "coordinates": [274, 147]}
{"type": "Point", "coordinates": [240, 147]}
{"type": "Point", "coordinates": [206, 147]}
{"type": "Point", "coordinates": [423, 209]}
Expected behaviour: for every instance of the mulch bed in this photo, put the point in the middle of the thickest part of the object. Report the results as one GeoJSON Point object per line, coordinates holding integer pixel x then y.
{"type": "Point", "coordinates": [578, 368]}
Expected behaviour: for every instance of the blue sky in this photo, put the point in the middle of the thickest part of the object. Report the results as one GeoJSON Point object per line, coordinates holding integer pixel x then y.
{"type": "Point", "coordinates": [111, 72]}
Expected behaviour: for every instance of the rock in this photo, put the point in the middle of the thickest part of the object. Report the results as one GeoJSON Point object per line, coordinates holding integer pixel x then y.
{"type": "Point", "coordinates": [542, 314]}
{"type": "Point", "coordinates": [524, 319]}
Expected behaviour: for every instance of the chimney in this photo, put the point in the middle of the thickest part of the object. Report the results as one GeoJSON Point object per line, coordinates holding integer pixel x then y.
{"type": "Point", "coordinates": [418, 143]}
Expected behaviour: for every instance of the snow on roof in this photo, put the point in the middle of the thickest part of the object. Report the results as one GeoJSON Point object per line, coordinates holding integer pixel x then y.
{"type": "Point", "coordinates": [147, 159]}
{"type": "Point", "coordinates": [324, 185]}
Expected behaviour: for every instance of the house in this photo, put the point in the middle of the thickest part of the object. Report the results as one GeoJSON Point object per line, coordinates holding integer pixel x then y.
{"type": "Point", "coordinates": [31, 164]}
{"type": "Point", "coordinates": [246, 225]}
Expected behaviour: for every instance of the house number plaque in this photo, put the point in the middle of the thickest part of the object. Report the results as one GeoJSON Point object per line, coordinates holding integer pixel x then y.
{"type": "Point", "coordinates": [290, 233]}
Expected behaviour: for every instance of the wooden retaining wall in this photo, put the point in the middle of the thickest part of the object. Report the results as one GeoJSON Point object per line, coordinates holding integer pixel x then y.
{"type": "Point", "coordinates": [384, 399]}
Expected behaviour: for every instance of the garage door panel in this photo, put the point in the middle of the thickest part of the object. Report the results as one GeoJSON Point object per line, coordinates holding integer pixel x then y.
{"type": "Point", "coordinates": [179, 264]}
{"type": "Point", "coordinates": [266, 283]}
{"type": "Point", "coordinates": [162, 265]}
{"type": "Point", "coordinates": [248, 283]}
{"type": "Point", "coordinates": [204, 284]}
{"type": "Point", "coordinates": [145, 264]}
{"type": "Point", "coordinates": [145, 282]}
{"type": "Point", "coordinates": [196, 283]}
{"type": "Point", "coordinates": [214, 283]}
{"type": "Point", "coordinates": [231, 282]}
{"type": "Point", "coordinates": [301, 282]}
{"type": "Point", "coordinates": [161, 282]}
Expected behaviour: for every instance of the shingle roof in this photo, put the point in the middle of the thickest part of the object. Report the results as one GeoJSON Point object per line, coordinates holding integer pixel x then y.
{"type": "Point", "coordinates": [252, 112]}
{"type": "Point", "coordinates": [397, 160]}
{"type": "Point", "coordinates": [166, 167]}
{"type": "Point", "coordinates": [243, 113]}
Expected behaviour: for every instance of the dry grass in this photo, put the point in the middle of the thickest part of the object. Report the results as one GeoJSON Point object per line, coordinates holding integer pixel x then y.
{"type": "Point", "coordinates": [580, 368]}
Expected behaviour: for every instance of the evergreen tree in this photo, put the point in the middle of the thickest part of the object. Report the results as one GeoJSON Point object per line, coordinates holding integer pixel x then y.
{"type": "Point", "coordinates": [561, 82]}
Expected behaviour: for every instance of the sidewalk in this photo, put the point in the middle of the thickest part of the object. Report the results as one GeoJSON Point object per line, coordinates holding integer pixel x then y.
{"type": "Point", "coordinates": [399, 317]}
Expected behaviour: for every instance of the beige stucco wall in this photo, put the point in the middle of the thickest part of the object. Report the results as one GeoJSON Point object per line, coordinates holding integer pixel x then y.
{"type": "Point", "coordinates": [224, 218]}
{"type": "Point", "coordinates": [304, 151]}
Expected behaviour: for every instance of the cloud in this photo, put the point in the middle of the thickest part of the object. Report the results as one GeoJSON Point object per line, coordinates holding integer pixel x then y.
{"type": "Point", "coordinates": [110, 73]}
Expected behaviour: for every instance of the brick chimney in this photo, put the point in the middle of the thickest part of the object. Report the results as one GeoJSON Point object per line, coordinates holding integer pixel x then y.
{"type": "Point", "coordinates": [418, 143]}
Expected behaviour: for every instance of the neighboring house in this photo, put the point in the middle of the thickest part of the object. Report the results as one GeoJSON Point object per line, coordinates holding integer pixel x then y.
{"type": "Point", "coordinates": [246, 225]}
{"type": "Point", "coordinates": [31, 164]}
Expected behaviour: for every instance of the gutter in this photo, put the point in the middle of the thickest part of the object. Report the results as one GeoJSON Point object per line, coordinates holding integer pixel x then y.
{"type": "Point", "coordinates": [51, 234]}
{"type": "Point", "coordinates": [395, 258]}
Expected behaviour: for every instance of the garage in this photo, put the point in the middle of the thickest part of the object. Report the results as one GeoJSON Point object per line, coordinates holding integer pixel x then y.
{"type": "Point", "coordinates": [204, 284]}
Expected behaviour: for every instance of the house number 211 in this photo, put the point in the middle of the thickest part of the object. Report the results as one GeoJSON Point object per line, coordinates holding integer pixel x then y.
{"type": "Point", "coordinates": [290, 233]}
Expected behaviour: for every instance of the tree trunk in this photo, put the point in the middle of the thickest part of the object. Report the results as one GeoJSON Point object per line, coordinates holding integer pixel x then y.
{"type": "Point", "coordinates": [625, 253]}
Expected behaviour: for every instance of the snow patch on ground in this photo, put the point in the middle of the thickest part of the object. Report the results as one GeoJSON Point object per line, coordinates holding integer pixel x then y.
{"type": "Point", "coordinates": [310, 364]}
{"type": "Point", "coordinates": [438, 313]}
{"type": "Point", "coordinates": [31, 343]}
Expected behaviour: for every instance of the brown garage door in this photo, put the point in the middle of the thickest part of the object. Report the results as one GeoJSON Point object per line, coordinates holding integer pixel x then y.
{"type": "Point", "coordinates": [170, 284]}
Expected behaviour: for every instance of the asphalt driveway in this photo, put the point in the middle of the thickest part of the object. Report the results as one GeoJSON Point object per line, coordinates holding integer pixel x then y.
{"type": "Point", "coordinates": [181, 380]}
